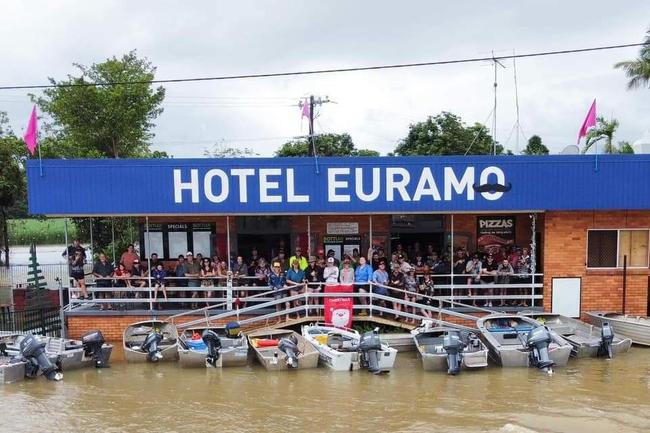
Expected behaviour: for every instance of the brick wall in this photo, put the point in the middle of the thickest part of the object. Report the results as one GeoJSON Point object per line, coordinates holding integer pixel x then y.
{"type": "Point", "coordinates": [565, 255]}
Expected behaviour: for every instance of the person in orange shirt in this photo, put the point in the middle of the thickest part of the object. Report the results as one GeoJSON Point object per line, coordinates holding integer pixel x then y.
{"type": "Point", "coordinates": [128, 257]}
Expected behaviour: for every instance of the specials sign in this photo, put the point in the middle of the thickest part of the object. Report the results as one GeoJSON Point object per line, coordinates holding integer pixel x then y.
{"type": "Point", "coordinates": [494, 232]}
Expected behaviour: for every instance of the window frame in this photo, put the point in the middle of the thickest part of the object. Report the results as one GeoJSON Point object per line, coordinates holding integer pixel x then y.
{"type": "Point", "coordinates": [618, 247]}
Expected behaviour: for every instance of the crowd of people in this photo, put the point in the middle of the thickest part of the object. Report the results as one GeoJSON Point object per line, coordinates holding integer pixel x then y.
{"type": "Point", "coordinates": [411, 274]}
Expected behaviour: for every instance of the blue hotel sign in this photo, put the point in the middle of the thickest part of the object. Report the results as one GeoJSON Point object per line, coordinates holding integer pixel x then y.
{"type": "Point", "coordinates": [338, 185]}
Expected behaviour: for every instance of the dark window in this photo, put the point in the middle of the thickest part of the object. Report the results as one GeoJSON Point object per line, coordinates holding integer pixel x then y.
{"type": "Point", "coordinates": [601, 248]}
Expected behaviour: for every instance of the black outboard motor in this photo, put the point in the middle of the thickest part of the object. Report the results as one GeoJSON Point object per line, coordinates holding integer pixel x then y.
{"type": "Point", "coordinates": [289, 346]}
{"type": "Point", "coordinates": [93, 343]}
{"type": "Point", "coordinates": [150, 346]}
{"type": "Point", "coordinates": [213, 342]}
{"type": "Point", "coordinates": [453, 345]}
{"type": "Point", "coordinates": [370, 348]}
{"type": "Point", "coordinates": [606, 339]}
{"type": "Point", "coordinates": [537, 342]}
{"type": "Point", "coordinates": [33, 351]}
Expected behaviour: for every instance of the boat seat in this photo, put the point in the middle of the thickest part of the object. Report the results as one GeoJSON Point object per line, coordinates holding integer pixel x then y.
{"type": "Point", "coordinates": [335, 341]}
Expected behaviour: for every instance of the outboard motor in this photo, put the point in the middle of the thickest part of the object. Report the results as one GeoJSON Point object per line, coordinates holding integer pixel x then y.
{"type": "Point", "coordinates": [33, 351]}
{"type": "Point", "coordinates": [3, 349]}
{"type": "Point", "coordinates": [289, 346]}
{"type": "Point", "coordinates": [150, 346]}
{"type": "Point", "coordinates": [213, 342]}
{"type": "Point", "coordinates": [370, 348]}
{"type": "Point", "coordinates": [537, 342]}
{"type": "Point", "coordinates": [233, 330]}
{"type": "Point", "coordinates": [453, 345]}
{"type": "Point", "coordinates": [93, 342]}
{"type": "Point", "coordinates": [606, 339]}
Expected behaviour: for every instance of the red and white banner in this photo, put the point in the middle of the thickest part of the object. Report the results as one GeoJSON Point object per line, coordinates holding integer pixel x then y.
{"type": "Point", "coordinates": [338, 311]}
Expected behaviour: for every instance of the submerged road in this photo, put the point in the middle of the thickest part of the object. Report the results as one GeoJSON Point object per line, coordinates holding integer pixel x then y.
{"type": "Point", "coordinates": [592, 395]}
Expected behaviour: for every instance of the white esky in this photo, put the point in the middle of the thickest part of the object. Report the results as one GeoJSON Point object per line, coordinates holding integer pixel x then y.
{"type": "Point", "coordinates": [42, 39]}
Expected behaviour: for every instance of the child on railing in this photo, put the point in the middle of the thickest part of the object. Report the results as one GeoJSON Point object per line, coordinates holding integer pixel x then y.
{"type": "Point", "coordinates": [159, 274]}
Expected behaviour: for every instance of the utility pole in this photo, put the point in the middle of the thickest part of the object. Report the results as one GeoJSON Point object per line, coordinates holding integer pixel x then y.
{"type": "Point", "coordinates": [311, 103]}
{"type": "Point", "coordinates": [494, 114]}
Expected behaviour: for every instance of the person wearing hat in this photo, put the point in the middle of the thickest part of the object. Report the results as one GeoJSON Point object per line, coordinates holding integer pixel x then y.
{"type": "Point", "coordinates": [192, 270]}
{"type": "Point", "coordinates": [313, 279]}
{"type": "Point", "coordinates": [332, 254]}
{"type": "Point", "coordinates": [331, 272]}
{"type": "Point", "coordinates": [302, 260]}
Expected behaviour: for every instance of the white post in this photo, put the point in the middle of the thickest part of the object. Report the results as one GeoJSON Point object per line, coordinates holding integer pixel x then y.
{"type": "Point", "coordinates": [113, 239]}
{"type": "Point", "coordinates": [451, 261]}
{"type": "Point", "coordinates": [66, 276]}
{"type": "Point", "coordinates": [147, 247]}
{"type": "Point", "coordinates": [229, 279]}
{"type": "Point", "coordinates": [533, 258]}
{"type": "Point", "coordinates": [92, 247]}
{"type": "Point", "coordinates": [369, 236]}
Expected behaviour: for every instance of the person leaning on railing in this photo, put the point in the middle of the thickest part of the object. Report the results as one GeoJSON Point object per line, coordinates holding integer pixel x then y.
{"type": "Point", "coordinates": [362, 278]}
{"type": "Point", "coordinates": [504, 272]}
{"type": "Point", "coordinates": [192, 269]}
{"type": "Point", "coordinates": [425, 289]}
{"type": "Point", "coordinates": [240, 272]}
{"type": "Point", "coordinates": [380, 277]}
{"type": "Point", "coordinates": [207, 279]}
{"type": "Point", "coordinates": [103, 271]}
{"type": "Point", "coordinates": [313, 279]}
{"type": "Point", "coordinates": [295, 278]}
{"type": "Point", "coordinates": [278, 282]}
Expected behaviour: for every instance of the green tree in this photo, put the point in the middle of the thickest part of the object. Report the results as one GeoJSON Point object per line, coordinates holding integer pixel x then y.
{"type": "Point", "coordinates": [106, 120]}
{"type": "Point", "coordinates": [535, 146]}
{"type": "Point", "coordinates": [604, 130]}
{"type": "Point", "coordinates": [638, 70]}
{"type": "Point", "coordinates": [624, 147]}
{"type": "Point", "coordinates": [326, 145]}
{"type": "Point", "coordinates": [446, 134]}
{"type": "Point", "coordinates": [12, 178]}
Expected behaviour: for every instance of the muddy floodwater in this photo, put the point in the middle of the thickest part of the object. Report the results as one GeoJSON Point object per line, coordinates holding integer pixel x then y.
{"type": "Point", "coordinates": [590, 396]}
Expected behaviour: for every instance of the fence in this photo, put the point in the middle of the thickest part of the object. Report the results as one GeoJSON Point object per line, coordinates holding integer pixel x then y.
{"type": "Point", "coordinates": [42, 321]}
{"type": "Point", "coordinates": [235, 293]}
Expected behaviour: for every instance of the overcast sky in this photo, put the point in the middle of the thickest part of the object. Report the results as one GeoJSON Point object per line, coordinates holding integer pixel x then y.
{"type": "Point", "coordinates": [42, 39]}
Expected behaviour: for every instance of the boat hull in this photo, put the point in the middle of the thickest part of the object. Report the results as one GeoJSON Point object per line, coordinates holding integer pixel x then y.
{"type": "Point", "coordinates": [635, 328]}
{"type": "Point", "coordinates": [428, 342]}
{"type": "Point", "coordinates": [274, 360]}
{"type": "Point", "coordinates": [135, 334]}
{"type": "Point", "coordinates": [11, 372]}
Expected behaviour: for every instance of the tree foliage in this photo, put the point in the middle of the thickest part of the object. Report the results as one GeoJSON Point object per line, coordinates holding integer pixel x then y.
{"type": "Point", "coordinates": [624, 147]}
{"type": "Point", "coordinates": [446, 134]}
{"type": "Point", "coordinates": [638, 70]}
{"type": "Point", "coordinates": [535, 146]}
{"type": "Point", "coordinates": [221, 150]}
{"type": "Point", "coordinates": [326, 145]}
{"type": "Point", "coordinates": [604, 130]}
{"type": "Point", "coordinates": [108, 120]}
{"type": "Point", "coordinates": [12, 178]}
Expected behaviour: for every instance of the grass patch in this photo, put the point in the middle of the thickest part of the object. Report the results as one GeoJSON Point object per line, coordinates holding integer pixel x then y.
{"type": "Point", "coordinates": [46, 231]}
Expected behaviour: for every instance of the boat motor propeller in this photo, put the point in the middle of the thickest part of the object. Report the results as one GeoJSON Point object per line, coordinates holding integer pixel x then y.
{"type": "Point", "coordinates": [93, 342]}
{"type": "Point", "coordinates": [606, 339]}
{"type": "Point", "coordinates": [33, 352]}
{"type": "Point", "coordinates": [453, 345]}
{"type": "Point", "coordinates": [150, 346]}
{"type": "Point", "coordinates": [289, 346]}
{"type": "Point", "coordinates": [537, 342]}
{"type": "Point", "coordinates": [370, 348]}
{"type": "Point", "coordinates": [213, 342]}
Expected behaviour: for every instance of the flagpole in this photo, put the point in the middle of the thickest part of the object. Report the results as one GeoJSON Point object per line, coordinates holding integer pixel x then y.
{"type": "Point", "coordinates": [40, 160]}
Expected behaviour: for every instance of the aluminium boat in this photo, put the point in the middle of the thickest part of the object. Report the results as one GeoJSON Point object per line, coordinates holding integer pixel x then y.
{"type": "Point", "coordinates": [150, 341]}
{"type": "Point", "coordinates": [213, 346]}
{"type": "Point", "coordinates": [436, 348]}
{"type": "Point", "coordinates": [282, 349]}
{"type": "Point", "coordinates": [341, 349]}
{"type": "Point", "coordinates": [519, 341]}
{"type": "Point", "coordinates": [587, 340]}
{"type": "Point", "coordinates": [636, 328]}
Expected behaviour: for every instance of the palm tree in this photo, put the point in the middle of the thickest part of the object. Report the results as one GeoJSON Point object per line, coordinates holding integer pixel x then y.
{"type": "Point", "coordinates": [604, 130]}
{"type": "Point", "coordinates": [638, 70]}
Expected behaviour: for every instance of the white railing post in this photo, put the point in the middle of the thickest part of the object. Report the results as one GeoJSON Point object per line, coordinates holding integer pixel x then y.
{"type": "Point", "coordinates": [370, 303]}
{"type": "Point", "coordinates": [229, 291]}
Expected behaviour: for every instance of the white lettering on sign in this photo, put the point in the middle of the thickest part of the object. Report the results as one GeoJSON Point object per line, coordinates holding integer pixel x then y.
{"type": "Point", "coordinates": [485, 178]}
{"type": "Point", "coordinates": [207, 185]}
{"type": "Point", "coordinates": [242, 174]}
{"type": "Point", "coordinates": [464, 184]}
{"type": "Point", "coordinates": [344, 185]}
{"type": "Point", "coordinates": [333, 184]}
{"type": "Point", "coordinates": [292, 197]}
{"type": "Point", "coordinates": [266, 185]}
{"type": "Point", "coordinates": [192, 185]}
{"type": "Point", "coordinates": [506, 223]}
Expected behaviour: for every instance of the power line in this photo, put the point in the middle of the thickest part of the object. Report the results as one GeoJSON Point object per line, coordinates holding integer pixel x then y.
{"type": "Point", "coordinates": [328, 71]}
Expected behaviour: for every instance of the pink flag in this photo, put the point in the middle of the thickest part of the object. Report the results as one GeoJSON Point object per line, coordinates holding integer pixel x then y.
{"type": "Point", "coordinates": [306, 110]}
{"type": "Point", "coordinates": [31, 134]}
{"type": "Point", "coordinates": [590, 121]}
